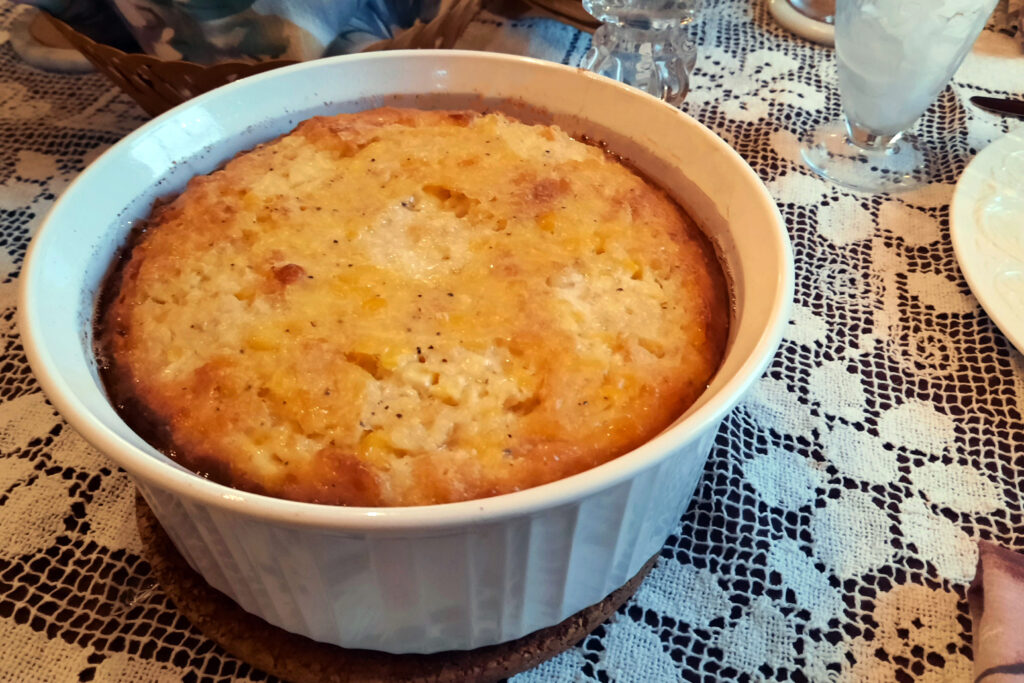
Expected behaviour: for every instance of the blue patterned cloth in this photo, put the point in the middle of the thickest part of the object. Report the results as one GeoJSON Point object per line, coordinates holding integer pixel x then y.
{"type": "Point", "coordinates": [209, 31]}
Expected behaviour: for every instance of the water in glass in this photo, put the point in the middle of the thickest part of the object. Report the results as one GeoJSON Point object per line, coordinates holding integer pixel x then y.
{"type": "Point", "coordinates": [894, 56]}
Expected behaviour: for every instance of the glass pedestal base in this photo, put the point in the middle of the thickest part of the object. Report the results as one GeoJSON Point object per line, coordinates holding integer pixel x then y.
{"type": "Point", "coordinates": [658, 61]}
{"type": "Point", "coordinates": [900, 165]}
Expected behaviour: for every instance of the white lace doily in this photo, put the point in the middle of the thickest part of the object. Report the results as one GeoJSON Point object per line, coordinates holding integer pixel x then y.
{"type": "Point", "coordinates": [832, 535]}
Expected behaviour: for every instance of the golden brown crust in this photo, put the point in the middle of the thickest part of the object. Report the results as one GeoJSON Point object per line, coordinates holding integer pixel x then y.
{"type": "Point", "coordinates": [404, 307]}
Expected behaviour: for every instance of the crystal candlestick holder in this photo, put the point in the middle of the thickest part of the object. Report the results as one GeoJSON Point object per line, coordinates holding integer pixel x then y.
{"type": "Point", "coordinates": [645, 44]}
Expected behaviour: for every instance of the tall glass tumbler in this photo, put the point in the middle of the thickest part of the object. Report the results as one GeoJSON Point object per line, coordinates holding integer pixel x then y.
{"type": "Point", "coordinates": [645, 43]}
{"type": "Point", "coordinates": [893, 58]}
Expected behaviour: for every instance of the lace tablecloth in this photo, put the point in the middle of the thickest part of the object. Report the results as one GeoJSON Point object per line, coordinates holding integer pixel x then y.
{"type": "Point", "coordinates": [832, 536]}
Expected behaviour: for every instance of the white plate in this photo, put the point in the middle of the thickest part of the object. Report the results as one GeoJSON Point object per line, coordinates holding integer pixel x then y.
{"type": "Point", "coordinates": [987, 227]}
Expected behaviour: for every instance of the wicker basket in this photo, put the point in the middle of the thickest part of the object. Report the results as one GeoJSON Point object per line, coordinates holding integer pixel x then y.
{"type": "Point", "coordinates": [157, 85]}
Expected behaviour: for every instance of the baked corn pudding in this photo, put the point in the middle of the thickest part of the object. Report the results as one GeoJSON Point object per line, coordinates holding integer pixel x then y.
{"type": "Point", "coordinates": [405, 307]}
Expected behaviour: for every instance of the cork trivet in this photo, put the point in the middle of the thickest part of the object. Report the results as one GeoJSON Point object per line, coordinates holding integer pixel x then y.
{"type": "Point", "coordinates": [299, 659]}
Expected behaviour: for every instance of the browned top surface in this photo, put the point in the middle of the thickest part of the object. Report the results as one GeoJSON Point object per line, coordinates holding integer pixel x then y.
{"type": "Point", "coordinates": [406, 307]}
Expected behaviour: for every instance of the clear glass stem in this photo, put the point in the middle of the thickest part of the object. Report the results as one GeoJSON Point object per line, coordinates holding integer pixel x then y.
{"type": "Point", "coordinates": [873, 142]}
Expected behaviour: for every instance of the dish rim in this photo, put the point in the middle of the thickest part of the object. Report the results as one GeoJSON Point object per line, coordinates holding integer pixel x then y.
{"type": "Point", "coordinates": [964, 227]}
{"type": "Point", "coordinates": [184, 483]}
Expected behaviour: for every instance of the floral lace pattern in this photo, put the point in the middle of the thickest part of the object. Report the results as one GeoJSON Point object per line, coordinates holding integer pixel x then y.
{"type": "Point", "coordinates": [832, 535]}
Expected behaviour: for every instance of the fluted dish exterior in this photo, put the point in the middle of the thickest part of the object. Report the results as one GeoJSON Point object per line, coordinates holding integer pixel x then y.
{"type": "Point", "coordinates": [455, 589]}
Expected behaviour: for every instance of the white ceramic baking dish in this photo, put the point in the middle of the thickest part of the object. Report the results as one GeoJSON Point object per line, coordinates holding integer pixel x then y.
{"type": "Point", "coordinates": [416, 579]}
